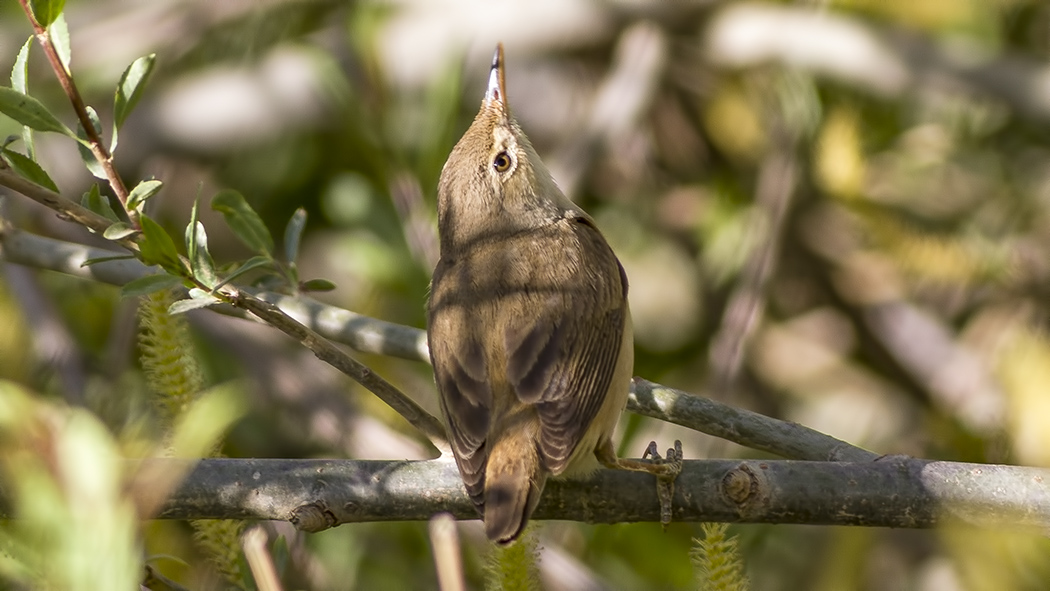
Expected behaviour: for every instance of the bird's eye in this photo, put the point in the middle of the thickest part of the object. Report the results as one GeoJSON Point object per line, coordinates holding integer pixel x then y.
{"type": "Point", "coordinates": [501, 162]}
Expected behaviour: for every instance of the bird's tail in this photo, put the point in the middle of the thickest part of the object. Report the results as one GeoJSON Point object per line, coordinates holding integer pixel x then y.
{"type": "Point", "coordinates": [514, 479]}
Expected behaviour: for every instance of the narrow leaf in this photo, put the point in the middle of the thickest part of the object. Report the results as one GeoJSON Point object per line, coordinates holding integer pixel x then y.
{"type": "Point", "coordinates": [28, 169]}
{"type": "Point", "coordinates": [243, 220]}
{"type": "Point", "coordinates": [130, 87]}
{"type": "Point", "coordinates": [148, 284]}
{"type": "Point", "coordinates": [191, 304]}
{"type": "Point", "coordinates": [293, 234]}
{"type": "Point", "coordinates": [201, 263]}
{"type": "Point", "coordinates": [46, 11]}
{"type": "Point", "coordinates": [252, 263]}
{"type": "Point", "coordinates": [191, 230]}
{"type": "Point", "coordinates": [95, 261]}
{"type": "Point", "coordinates": [157, 247]}
{"type": "Point", "coordinates": [20, 73]}
{"type": "Point", "coordinates": [92, 163]}
{"type": "Point", "coordinates": [118, 230]}
{"type": "Point", "coordinates": [20, 82]}
{"type": "Point", "coordinates": [99, 204]}
{"type": "Point", "coordinates": [59, 33]}
{"type": "Point", "coordinates": [317, 285]}
{"type": "Point", "coordinates": [142, 192]}
{"type": "Point", "coordinates": [30, 112]}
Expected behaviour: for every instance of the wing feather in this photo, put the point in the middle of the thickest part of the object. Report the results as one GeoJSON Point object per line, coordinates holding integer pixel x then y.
{"type": "Point", "coordinates": [465, 390]}
{"type": "Point", "coordinates": [563, 359]}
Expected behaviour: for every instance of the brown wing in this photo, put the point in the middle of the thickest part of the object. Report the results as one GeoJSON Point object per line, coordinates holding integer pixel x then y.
{"type": "Point", "coordinates": [463, 382]}
{"type": "Point", "coordinates": [562, 359]}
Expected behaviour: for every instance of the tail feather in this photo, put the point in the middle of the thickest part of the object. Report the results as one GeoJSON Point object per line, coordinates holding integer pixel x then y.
{"type": "Point", "coordinates": [514, 480]}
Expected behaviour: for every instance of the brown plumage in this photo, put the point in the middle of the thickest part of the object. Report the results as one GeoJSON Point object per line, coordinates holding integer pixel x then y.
{"type": "Point", "coordinates": [528, 323]}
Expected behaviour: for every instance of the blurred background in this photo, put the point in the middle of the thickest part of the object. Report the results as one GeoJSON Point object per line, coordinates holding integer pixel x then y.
{"type": "Point", "coordinates": [835, 213]}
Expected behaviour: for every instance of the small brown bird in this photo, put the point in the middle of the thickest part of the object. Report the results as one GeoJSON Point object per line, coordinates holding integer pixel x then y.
{"type": "Point", "coordinates": [530, 333]}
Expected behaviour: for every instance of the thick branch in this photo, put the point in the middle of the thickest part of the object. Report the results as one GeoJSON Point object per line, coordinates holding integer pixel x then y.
{"type": "Point", "coordinates": [750, 429]}
{"type": "Point", "coordinates": [895, 492]}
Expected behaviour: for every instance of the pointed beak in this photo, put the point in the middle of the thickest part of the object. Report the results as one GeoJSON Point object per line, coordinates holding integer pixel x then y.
{"type": "Point", "coordinates": [496, 93]}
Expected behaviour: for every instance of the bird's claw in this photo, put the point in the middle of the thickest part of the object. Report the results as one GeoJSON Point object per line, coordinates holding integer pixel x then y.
{"type": "Point", "coordinates": [672, 465]}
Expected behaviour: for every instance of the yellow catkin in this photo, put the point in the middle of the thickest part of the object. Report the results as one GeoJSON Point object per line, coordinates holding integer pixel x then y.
{"type": "Point", "coordinates": [516, 567]}
{"type": "Point", "coordinates": [717, 561]}
{"type": "Point", "coordinates": [174, 375]}
{"type": "Point", "coordinates": [167, 356]}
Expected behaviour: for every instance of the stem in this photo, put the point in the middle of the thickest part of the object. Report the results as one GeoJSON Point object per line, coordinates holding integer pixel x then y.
{"type": "Point", "coordinates": [95, 143]}
{"type": "Point", "coordinates": [326, 351]}
{"type": "Point", "coordinates": [66, 209]}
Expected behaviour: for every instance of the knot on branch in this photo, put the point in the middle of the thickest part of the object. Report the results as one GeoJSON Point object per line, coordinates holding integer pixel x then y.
{"type": "Point", "coordinates": [745, 488]}
{"type": "Point", "coordinates": [313, 517]}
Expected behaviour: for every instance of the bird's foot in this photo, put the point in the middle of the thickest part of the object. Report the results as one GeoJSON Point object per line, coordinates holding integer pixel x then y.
{"type": "Point", "coordinates": [671, 467]}
{"type": "Point", "coordinates": [665, 469]}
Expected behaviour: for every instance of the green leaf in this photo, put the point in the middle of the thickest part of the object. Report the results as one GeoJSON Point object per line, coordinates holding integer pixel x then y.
{"type": "Point", "coordinates": [99, 204]}
{"type": "Point", "coordinates": [20, 82]}
{"type": "Point", "coordinates": [252, 263]}
{"type": "Point", "coordinates": [28, 169]}
{"type": "Point", "coordinates": [143, 191]}
{"type": "Point", "coordinates": [30, 112]}
{"type": "Point", "coordinates": [317, 285]}
{"type": "Point", "coordinates": [201, 263]}
{"type": "Point", "coordinates": [293, 234]}
{"type": "Point", "coordinates": [198, 299]}
{"type": "Point", "coordinates": [191, 230]}
{"type": "Point", "coordinates": [118, 230]}
{"type": "Point", "coordinates": [157, 247]}
{"type": "Point", "coordinates": [95, 261]}
{"type": "Point", "coordinates": [20, 72]}
{"type": "Point", "coordinates": [129, 90]}
{"type": "Point", "coordinates": [92, 163]}
{"type": "Point", "coordinates": [59, 33]}
{"type": "Point", "coordinates": [243, 220]}
{"type": "Point", "coordinates": [148, 284]}
{"type": "Point", "coordinates": [47, 11]}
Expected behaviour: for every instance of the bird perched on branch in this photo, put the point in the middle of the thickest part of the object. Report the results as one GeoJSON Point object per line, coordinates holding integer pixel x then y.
{"type": "Point", "coordinates": [529, 329]}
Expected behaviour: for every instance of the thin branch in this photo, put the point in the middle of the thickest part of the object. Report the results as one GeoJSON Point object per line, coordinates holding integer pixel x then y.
{"type": "Point", "coordinates": [369, 335]}
{"type": "Point", "coordinates": [326, 351]}
{"type": "Point", "coordinates": [66, 209]}
{"type": "Point", "coordinates": [95, 143]}
{"type": "Point", "coordinates": [895, 492]}
{"type": "Point", "coordinates": [750, 429]}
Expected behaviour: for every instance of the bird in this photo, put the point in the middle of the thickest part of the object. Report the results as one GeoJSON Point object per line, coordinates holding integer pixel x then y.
{"type": "Point", "coordinates": [528, 324]}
